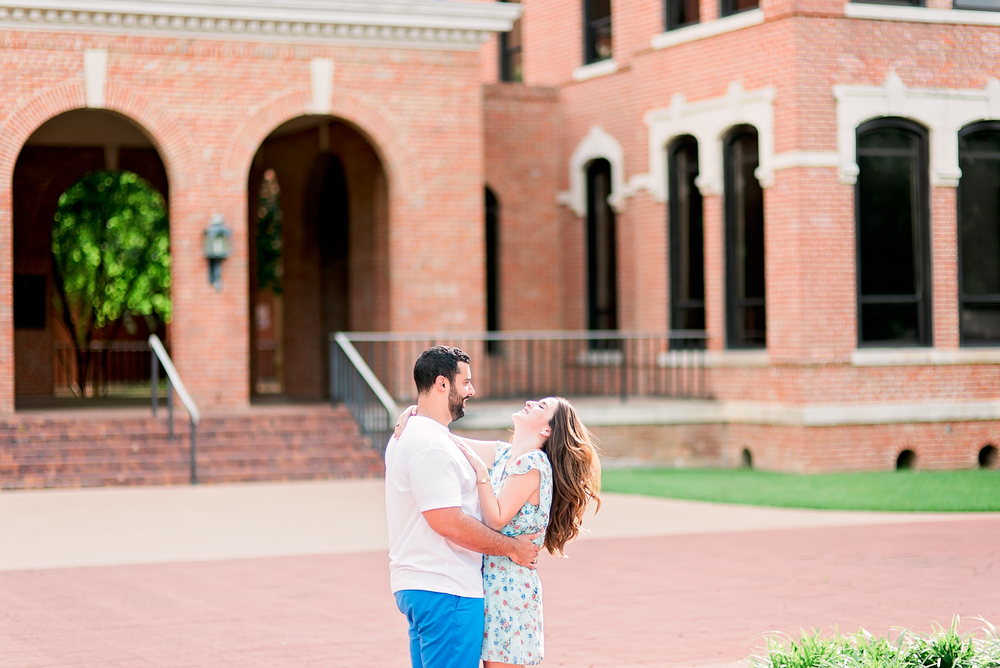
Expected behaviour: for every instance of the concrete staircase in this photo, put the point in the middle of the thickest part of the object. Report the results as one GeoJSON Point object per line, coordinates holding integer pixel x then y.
{"type": "Point", "coordinates": [128, 447]}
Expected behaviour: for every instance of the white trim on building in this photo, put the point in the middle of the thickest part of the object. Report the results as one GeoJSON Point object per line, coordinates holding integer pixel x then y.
{"type": "Point", "coordinates": [597, 144]}
{"type": "Point", "coordinates": [440, 24]}
{"type": "Point", "coordinates": [943, 111]}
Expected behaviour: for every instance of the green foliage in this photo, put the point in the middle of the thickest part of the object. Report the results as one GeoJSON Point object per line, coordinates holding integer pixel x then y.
{"type": "Point", "coordinates": [943, 648]}
{"type": "Point", "coordinates": [269, 234]}
{"type": "Point", "coordinates": [111, 255]}
{"type": "Point", "coordinates": [969, 490]}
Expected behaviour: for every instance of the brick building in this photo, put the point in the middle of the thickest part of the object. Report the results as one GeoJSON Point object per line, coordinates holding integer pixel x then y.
{"type": "Point", "coordinates": [813, 183]}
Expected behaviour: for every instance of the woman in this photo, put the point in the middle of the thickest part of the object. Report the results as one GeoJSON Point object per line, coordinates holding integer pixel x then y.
{"type": "Point", "coordinates": [542, 481]}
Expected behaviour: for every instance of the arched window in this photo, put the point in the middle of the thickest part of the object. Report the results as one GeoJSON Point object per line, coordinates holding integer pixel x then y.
{"type": "Point", "coordinates": [602, 271]}
{"type": "Point", "coordinates": [492, 264]}
{"type": "Point", "coordinates": [979, 234]}
{"type": "Point", "coordinates": [687, 247]}
{"type": "Point", "coordinates": [893, 249]}
{"type": "Point", "coordinates": [596, 30]}
{"type": "Point", "coordinates": [746, 321]}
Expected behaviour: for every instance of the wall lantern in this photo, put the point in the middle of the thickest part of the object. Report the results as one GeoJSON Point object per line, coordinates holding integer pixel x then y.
{"type": "Point", "coordinates": [217, 245]}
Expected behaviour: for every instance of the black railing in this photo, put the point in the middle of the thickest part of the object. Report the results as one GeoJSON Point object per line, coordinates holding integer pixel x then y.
{"type": "Point", "coordinates": [520, 365]}
{"type": "Point", "coordinates": [113, 369]}
{"type": "Point", "coordinates": [354, 384]}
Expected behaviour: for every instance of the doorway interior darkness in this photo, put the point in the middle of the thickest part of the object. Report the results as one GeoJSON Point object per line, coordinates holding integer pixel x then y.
{"type": "Point", "coordinates": [334, 248]}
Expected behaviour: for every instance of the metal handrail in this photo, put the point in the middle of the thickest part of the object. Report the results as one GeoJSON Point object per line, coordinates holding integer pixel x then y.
{"type": "Point", "coordinates": [174, 383]}
{"type": "Point", "coordinates": [354, 383]}
{"type": "Point", "coordinates": [544, 335]}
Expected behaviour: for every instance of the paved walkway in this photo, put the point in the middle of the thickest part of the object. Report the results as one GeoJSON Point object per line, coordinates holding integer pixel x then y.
{"type": "Point", "coordinates": [295, 575]}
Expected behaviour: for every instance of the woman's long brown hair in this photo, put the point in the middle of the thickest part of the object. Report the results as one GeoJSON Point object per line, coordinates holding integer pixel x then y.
{"type": "Point", "coordinates": [576, 475]}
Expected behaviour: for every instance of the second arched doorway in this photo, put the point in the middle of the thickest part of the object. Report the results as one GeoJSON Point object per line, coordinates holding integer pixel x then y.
{"type": "Point", "coordinates": [318, 216]}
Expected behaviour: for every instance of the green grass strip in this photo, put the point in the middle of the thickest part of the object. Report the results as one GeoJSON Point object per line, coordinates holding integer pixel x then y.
{"type": "Point", "coordinates": [949, 491]}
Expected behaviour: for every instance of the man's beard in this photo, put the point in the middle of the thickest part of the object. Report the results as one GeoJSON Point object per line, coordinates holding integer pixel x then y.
{"type": "Point", "coordinates": [456, 404]}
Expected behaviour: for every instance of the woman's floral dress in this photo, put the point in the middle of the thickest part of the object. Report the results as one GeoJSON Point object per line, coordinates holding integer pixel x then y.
{"type": "Point", "coordinates": [513, 629]}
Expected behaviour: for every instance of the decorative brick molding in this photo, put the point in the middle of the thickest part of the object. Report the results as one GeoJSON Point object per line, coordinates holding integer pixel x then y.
{"type": "Point", "coordinates": [708, 121]}
{"type": "Point", "coordinates": [597, 144]}
{"type": "Point", "coordinates": [943, 111]}
{"type": "Point", "coordinates": [415, 23]}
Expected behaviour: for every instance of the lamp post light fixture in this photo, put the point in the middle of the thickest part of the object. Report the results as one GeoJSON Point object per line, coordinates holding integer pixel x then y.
{"type": "Point", "coordinates": [217, 245]}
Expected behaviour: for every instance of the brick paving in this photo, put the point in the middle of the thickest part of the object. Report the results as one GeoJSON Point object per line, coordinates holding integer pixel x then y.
{"type": "Point", "coordinates": [678, 600]}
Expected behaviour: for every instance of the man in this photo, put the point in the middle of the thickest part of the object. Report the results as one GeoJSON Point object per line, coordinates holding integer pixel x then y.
{"type": "Point", "coordinates": [436, 534]}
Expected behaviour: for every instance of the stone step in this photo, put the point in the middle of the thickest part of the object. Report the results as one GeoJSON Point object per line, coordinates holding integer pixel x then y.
{"type": "Point", "coordinates": [289, 444]}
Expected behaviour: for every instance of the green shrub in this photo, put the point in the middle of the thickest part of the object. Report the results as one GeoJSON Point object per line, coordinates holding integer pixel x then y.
{"type": "Point", "coordinates": [942, 648]}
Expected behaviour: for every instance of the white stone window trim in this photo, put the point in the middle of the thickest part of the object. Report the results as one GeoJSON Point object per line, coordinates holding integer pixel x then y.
{"type": "Point", "coordinates": [793, 159]}
{"type": "Point", "coordinates": [924, 356]}
{"type": "Point", "coordinates": [601, 68]}
{"type": "Point", "coordinates": [698, 31]}
{"type": "Point", "coordinates": [595, 145]}
{"type": "Point", "coordinates": [708, 121]}
{"type": "Point", "coordinates": [943, 111]}
{"type": "Point", "coordinates": [715, 359]}
{"type": "Point", "coordinates": [858, 10]}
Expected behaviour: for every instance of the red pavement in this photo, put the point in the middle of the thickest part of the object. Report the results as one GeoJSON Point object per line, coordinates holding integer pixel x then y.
{"type": "Point", "coordinates": [672, 601]}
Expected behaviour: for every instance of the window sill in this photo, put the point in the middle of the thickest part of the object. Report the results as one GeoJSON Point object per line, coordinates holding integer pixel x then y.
{"type": "Point", "coordinates": [710, 29]}
{"type": "Point", "coordinates": [857, 10]}
{"type": "Point", "coordinates": [601, 68]}
{"type": "Point", "coordinates": [923, 356]}
{"type": "Point", "coordinates": [737, 358]}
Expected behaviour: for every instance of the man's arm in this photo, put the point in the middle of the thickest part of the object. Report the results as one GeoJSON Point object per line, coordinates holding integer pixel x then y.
{"type": "Point", "coordinates": [470, 533]}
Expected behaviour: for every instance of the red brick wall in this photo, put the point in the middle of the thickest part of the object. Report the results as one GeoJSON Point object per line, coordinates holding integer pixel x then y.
{"type": "Point", "coordinates": [208, 106]}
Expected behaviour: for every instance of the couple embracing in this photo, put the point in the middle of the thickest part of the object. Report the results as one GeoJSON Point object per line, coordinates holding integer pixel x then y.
{"type": "Point", "coordinates": [464, 535]}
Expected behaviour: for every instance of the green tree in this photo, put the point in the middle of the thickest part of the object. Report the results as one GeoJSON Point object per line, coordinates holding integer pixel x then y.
{"type": "Point", "coordinates": [111, 257]}
{"type": "Point", "coordinates": [269, 234]}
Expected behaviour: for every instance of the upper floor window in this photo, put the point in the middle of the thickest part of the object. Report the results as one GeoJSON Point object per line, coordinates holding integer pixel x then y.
{"type": "Point", "coordinates": [510, 52]}
{"type": "Point", "coordinates": [746, 314]}
{"type": "Point", "coordinates": [893, 234]}
{"type": "Point", "coordinates": [979, 234]}
{"type": "Point", "coordinates": [596, 30]}
{"type": "Point", "coordinates": [730, 7]}
{"type": "Point", "coordinates": [680, 13]}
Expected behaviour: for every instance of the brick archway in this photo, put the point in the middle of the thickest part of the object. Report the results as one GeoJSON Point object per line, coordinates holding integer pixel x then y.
{"type": "Point", "coordinates": [369, 118]}
{"type": "Point", "coordinates": [172, 147]}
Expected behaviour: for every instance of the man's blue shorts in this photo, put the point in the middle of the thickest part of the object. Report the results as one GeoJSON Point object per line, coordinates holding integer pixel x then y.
{"type": "Point", "coordinates": [446, 631]}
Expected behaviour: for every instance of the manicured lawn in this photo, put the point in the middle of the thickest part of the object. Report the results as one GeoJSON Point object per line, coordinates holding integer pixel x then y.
{"type": "Point", "coordinates": [975, 490]}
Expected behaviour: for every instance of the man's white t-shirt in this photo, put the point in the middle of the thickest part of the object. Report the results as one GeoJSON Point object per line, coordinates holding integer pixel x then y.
{"type": "Point", "coordinates": [425, 470]}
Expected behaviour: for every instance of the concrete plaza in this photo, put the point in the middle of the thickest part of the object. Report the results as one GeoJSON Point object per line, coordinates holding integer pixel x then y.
{"type": "Point", "coordinates": [295, 575]}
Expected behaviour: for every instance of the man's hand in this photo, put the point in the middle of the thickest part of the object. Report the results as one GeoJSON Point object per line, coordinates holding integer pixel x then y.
{"type": "Point", "coordinates": [524, 552]}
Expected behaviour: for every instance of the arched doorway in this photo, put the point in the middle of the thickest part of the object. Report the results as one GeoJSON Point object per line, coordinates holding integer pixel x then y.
{"type": "Point", "coordinates": [332, 268]}
{"type": "Point", "coordinates": [60, 153]}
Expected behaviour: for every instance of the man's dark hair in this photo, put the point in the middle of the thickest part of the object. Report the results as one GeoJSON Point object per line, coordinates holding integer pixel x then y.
{"type": "Point", "coordinates": [437, 361]}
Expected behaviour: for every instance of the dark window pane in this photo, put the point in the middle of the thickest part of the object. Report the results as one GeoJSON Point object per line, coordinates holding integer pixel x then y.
{"type": "Point", "coordinates": [602, 279]}
{"type": "Point", "coordinates": [981, 5]}
{"type": "Point", "coordinates": [890, 323]}
{"type": "Point", "coordinates": [29, 302]}
{"type": "Point", "coordinates": [885, 192]}
{"type": "Point", "coordinates": [687, 251]}
{"type": "Point", "coordinates": [979, 236]}
{"type": "Point", "coordinates": [745, 282]}
{"type": "Point", "coordinates": [597, 30]}
{"type": "Point", "coordinates": [980, 324]}
{"type": "Point", "coordinates": [906, 3]}
{"type": "Point", "coordinates": [681, 13]}
{"type": "Point", "coordinates": [892, 235]}
{"type": "Point", "coordinates": [510, 52]}
{"type": "Point", "coordinates": [735, 6]}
